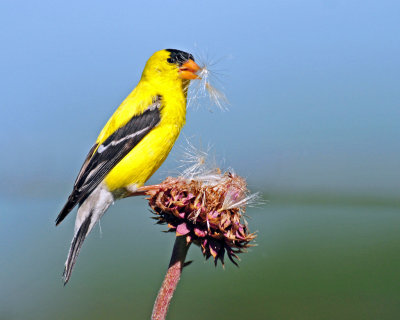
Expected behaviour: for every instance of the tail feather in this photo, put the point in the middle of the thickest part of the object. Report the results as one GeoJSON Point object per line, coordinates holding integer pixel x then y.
{"type": "Point", "coordinates": [76, 245]}
{"type": "Point", "coordinates": [89, 212]}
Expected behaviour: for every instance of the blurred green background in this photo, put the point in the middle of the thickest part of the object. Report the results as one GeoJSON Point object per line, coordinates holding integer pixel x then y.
{"type": "Point", "coordinates": [314, 259]}
{"type": "Point", "coordinates": [313, 125]}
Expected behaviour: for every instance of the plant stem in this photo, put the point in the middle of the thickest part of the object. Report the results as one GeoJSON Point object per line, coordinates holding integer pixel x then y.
{"type": "Point", "coordinates": [171, 279]}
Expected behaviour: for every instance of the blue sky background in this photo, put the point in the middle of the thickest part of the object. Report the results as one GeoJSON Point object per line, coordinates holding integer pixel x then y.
{"type": "Point", "coordinates": [313, 87]}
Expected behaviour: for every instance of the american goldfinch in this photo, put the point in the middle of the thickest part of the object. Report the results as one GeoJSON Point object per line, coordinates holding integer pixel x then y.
{"type": "Point", "coordinates": [133, 144]}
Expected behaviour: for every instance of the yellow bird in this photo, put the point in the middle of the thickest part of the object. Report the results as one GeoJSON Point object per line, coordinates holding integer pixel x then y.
{"type": "Point", "coordinates": [133, 144]}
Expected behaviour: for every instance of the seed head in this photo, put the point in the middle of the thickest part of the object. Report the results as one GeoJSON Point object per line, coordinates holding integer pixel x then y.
{"type": "Point", "coordinates": [208, 212]}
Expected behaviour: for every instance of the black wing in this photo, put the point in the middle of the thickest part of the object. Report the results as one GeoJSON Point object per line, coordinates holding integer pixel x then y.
{"type": "Point", "coordinates": [100, 162]}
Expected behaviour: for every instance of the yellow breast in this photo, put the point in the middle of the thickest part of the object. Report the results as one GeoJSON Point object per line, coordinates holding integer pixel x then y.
{"type": "Point", "coordinates": [148, 155]}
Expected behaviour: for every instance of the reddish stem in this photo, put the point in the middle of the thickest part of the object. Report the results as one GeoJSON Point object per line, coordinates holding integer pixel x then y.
{"type": "Point", "coordinates": [171, 279]}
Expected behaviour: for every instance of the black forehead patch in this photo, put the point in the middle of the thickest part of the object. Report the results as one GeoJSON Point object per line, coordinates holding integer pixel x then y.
{"type": "Point", "coordinates": [178, 56]}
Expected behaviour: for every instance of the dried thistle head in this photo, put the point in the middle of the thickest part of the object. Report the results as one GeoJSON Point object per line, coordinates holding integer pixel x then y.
{"type": "Point", "coordinates": [207, 209]}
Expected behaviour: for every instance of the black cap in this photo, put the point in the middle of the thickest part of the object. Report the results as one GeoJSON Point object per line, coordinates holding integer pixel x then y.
{"type": "Point", "coordinates": [179, 57]}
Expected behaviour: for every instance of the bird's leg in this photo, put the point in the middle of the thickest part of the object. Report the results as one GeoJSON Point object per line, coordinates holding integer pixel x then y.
{"type": "Point", "coordinates": [141, 191]}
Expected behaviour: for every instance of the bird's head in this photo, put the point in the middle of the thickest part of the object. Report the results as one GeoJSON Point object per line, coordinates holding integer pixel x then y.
{"type": "Point", "coordinates": [171, 65]}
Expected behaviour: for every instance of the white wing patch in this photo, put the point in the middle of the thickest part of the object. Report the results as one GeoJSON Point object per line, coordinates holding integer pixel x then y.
{"type": "Point", "coordinates": [91, 173]}
{"type": "Point", "coordinates": [102, 148]}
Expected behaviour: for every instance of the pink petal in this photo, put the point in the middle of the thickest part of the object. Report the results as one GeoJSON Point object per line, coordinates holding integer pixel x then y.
{"type": "Point", "coordinates": [182, 229]}
{"type": "Point", "coordinates": [199, 232]}
{"type": "Point", "coordinates": [181, 215]}
{"type": "Point", "coordinates": [239, 236]}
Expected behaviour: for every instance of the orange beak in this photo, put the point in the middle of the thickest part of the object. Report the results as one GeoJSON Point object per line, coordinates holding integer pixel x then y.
{"type": "Point", "coordinates": [188, 70]}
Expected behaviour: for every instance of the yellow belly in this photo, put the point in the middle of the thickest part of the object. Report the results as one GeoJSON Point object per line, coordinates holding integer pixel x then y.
{"type": "Point", "coordinates": [144, 159]}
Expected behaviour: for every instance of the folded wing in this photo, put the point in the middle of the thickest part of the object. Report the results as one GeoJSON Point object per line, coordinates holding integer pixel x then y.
{"type": "Point", "coordinates": [104, 157]}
